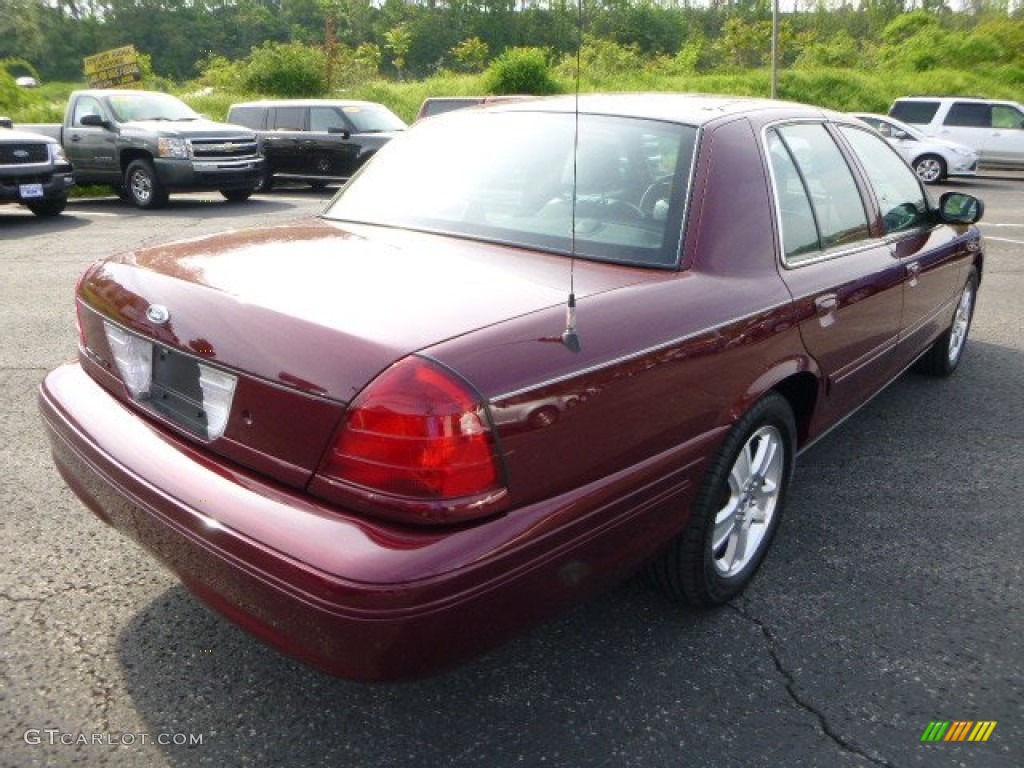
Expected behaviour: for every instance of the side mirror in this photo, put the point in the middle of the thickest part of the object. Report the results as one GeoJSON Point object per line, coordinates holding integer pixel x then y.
{"type": "Point", "coordinates": [335, 129]}
{"type": "Point", "coordinates": [93, 121]}
{"type": "Point", "coordinates": [960, 208]}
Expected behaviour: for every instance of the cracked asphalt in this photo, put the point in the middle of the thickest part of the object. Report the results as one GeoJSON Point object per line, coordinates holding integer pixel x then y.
{"type": "Point", "coordinates": [892, 596]}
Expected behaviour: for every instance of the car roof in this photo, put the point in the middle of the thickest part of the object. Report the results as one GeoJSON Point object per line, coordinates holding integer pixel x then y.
{"type": "Point", "coordinates": [693, 109]}
{"type": "Point", "coordinates": [307, 103]}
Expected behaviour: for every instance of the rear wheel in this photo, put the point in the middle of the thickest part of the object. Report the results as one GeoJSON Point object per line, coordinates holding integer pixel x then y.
{"type": "Point", "coordinates": [944, 356]}
{"type": "Point", "coordinates": [143, 186]}
{"type": "Point", "coordinates": [930, 169]}
{"type": "Point", "coordinates": [51, 207]}
{"type": "Point", "coordinates": [737, 510]}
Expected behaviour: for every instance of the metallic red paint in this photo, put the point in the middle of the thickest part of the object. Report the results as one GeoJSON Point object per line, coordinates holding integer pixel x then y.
{"type": "Point", "coordinates": [602, 450]}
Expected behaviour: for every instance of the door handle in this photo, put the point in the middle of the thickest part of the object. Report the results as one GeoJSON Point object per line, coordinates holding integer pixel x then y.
{"type": "Point", "coordinates": [75, 137]}
{"type": "Point", "coordinates": [826, 304]}
{"type": "Point", "coordinates": [913, 270]}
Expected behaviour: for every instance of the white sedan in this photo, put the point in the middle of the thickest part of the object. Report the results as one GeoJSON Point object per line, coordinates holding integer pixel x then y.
{"type": "Point", "coordinates": [931, 158]}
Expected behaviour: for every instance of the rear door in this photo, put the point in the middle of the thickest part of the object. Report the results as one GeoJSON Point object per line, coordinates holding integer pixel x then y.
{"type": "Point", "coordinates": [846, 281]}
{"type": "Point", "coordinates": [286, 141]}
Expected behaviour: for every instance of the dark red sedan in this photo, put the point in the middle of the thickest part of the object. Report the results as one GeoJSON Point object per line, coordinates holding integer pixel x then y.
{"type": "Point", "coordinates": [528, 350]}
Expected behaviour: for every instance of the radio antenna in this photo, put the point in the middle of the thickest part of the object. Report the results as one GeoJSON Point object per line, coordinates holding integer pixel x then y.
{"type": "Point", "coordinates": [570, 338]}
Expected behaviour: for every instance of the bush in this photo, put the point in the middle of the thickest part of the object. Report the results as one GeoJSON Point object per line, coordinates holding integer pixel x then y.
{"type": "Point", "coordinates": [286, 70]}
{"type": "Point", "coordinates": [521, 70]}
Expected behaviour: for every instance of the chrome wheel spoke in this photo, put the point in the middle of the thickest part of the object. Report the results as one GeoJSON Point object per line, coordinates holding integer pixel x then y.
{"type": "Point", "coordinates": [753, 486]}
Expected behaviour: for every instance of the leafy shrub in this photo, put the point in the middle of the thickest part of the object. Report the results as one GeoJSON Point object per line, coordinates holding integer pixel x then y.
{"type": "Point", "coordinates": [521, 70]}
{"type": "Point", "coordinates": [287, 70]}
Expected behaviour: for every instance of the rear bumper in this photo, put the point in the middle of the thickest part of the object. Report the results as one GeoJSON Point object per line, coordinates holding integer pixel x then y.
{"type": "Point", "coordinates": [356, 599]}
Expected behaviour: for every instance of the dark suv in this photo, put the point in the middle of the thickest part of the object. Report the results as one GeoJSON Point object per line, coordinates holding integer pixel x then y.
{"type": "Point", "coordinates": [319, 141]}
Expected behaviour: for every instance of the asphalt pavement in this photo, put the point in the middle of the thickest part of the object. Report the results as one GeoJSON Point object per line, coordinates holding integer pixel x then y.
{"type": "Point", "coordinates": [892, 597]}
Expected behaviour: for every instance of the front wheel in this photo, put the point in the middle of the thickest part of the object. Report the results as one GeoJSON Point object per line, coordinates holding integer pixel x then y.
{"type": "Point", "coordinates": [51, 207]}
{"type": "Point", "coordinates": [143, 186]}
{"type": "Point", "coordinates": [944, 356]}
{"type": "Point", "coordinates": [931, 169]}
{"type": "Point", "coordinates": [737, 510]}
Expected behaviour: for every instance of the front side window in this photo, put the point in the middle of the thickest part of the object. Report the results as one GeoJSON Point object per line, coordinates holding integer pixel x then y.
{"type": "Point", "coordinates": [86, 105]}
{"type": "Point", "coordinates": [605, 188]}
{"type": "Point", "coordinates": [324, 119]}
{"type": "Point", "coordinates": [373, 118]}
{"type": "Point", "coordinates": [806, 161]}
{"type": "Point", "coordinates": [900, 196]}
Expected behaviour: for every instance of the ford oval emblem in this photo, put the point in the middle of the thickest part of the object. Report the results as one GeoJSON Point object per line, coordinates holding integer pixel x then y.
{"type": "Point", "coordinates": [158, 313]}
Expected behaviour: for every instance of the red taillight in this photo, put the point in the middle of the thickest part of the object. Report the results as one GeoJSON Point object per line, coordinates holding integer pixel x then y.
{"type": "Point", "coordinates": [417, 434]}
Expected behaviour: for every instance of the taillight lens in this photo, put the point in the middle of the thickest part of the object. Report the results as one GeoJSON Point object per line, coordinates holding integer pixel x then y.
{"type": "Point", "coordinates": [418, 434]}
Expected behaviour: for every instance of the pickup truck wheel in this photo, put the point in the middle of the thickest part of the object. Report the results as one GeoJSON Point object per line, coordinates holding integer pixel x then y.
{"type": "Point", "coordinates": [143, 187]}
{"type": "Point", "coordinates": [266, 181]}
{"type": "Point", "coordinates": [736, 512]}
{"type": "Point", "coordinates": [50, 207]}
{"type": "Point", "coordinates": [237, 195]}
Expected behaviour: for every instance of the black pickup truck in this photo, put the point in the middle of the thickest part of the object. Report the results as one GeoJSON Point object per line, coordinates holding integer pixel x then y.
{"type": "Point", "coordinates": [148, 144]}
{"type": "Point", "coordinates": [33, 171]}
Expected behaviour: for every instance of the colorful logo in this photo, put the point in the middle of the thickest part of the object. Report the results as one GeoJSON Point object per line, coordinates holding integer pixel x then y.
{"type": "Point", "coordinates": [958, 730]}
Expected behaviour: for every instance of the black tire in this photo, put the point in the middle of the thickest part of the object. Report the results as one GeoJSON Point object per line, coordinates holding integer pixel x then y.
{"type": "Point", "coordinates": [143, 186]}
{"type": "Point", "coordinates": [266, 182]}
{"type": "Point", "coordinates": [931, 169]}
{"type": "Point", "coordinates": [696, 566]}
{"type": "Point", "coordinates": [52, 207]}
{"type": "Point", "coordinates": [945, 354]}
{"type": "Point", "coordinates": [237, 195]}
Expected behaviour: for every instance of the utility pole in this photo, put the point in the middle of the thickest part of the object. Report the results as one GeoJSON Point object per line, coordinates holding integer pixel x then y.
{"type": "Point", "coordinates": [775, 49]}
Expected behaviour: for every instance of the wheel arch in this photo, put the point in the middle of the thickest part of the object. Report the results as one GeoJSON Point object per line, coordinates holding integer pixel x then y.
{"type": "Point", "coordinates": [798, 380]}
{"type": "Point", "coordinates": [129, 156]}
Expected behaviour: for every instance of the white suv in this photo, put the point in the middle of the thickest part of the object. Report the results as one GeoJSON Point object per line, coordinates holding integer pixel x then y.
{"type": "Point", "coordinates": [994, 128]}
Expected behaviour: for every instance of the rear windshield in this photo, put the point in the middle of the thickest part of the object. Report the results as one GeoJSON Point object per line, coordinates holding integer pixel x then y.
{"type": "Point", "coordinates": [920, 112]}
{"type": "Point", "coordinates": [510, 177]}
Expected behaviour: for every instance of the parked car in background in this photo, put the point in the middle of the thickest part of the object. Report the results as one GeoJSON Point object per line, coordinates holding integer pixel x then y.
{"type": "Point", "coordinates": [147, 145]}
{"type": "Point", "coordinates": [485, 384]}
{"type": "Point", "coordinates": [26, 81]}
{"type": "Point", "coordinates": [34, 171]}
{"type": "Point", "coordinates": [931, 158]}
{"type": "Point", "coordinates": [319, 141]}
{"type": "Point", "coordinates": [993, 127]}
{"type": "Point", "coordinates": [438, 105]}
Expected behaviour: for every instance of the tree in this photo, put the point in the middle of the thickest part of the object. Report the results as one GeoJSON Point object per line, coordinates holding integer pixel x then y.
{"type": "Point", "coordinates": [398, 41]}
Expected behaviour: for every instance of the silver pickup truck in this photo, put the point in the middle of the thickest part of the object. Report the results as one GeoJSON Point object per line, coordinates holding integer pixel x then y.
{"type": "Point", "coordinates": [148, 144]}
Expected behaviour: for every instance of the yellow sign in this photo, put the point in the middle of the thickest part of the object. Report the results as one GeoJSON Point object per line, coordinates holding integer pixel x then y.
{"type": "Point", "coordinates": [116, 68]}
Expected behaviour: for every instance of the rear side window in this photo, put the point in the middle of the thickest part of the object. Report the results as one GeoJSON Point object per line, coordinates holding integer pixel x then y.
{"type": "Point", "coordinates": [900, 196]}
{"type": "Point", "coordinates": [289, 119]}
{"type": "Point", "coordinates": [1005, 116]}
{"type": "Point", "coordinates": [250, 117]}
{"type": "Point", "coordinates": [969, 114]}
{"type": "Point", "coordinates": [807, 163]}
{"type": "Point", "coordinates": [920, 112]}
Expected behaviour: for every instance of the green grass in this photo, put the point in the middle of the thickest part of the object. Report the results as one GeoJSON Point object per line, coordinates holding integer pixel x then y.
{"type": "Point", "coordinates": [840, 89]}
